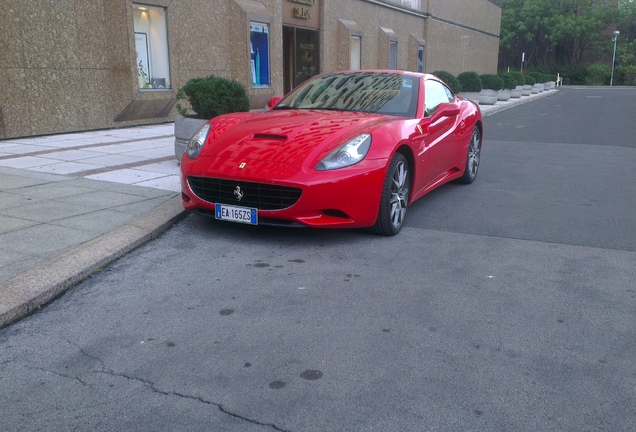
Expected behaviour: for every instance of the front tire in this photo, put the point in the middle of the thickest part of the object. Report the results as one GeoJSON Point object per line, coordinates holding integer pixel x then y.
{"type": "Point", "coordinates": [395, 197]}
{"type": "Point", "coordinates": [473, 158]}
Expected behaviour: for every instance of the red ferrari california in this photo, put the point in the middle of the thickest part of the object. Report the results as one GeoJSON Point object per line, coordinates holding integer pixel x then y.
{"type": "Point", "coordinates": [343, 150]}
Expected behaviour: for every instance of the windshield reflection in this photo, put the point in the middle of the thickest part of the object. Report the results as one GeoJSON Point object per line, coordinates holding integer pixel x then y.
{"type": "Point", "coordinates": [369, 92]}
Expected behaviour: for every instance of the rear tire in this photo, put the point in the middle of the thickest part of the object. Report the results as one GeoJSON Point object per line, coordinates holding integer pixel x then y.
{"type": "Point", "coordinates": [472, 160]}
{"type": "Point", "coordinates": [395, 197]}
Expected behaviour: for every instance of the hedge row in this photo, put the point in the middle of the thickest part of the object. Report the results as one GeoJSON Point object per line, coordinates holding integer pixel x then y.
{"type": "Point", "coordinates": [472, 82]}
{"type": "Point", "coordinates": [594, 74]}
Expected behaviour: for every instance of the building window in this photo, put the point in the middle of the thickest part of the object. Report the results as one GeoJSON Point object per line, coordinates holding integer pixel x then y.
{"type": "Point", "coordinates": [393, 48]}
{"type": "Point", "coordinates": [356, 51]}
{"type": "Point", "coordinates": [151, 43]}
{"type": "Point", "coordinates": [411, 4]}
{"type": "Point", "coordinates": [420, 58]}
{"type": "Point", "coordinates": [259, 57]}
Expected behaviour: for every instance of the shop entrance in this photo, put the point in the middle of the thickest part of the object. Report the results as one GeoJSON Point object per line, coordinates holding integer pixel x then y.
{"type": "Point", "coordinates": [300, 55]}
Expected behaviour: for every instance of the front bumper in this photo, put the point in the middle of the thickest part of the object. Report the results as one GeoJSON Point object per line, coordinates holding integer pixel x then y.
{"type": "Point", "coordinates": [343, 198]}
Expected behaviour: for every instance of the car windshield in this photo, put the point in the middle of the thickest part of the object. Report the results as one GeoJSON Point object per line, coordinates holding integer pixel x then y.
{"type": "Point", "coordinates": [369, 92]}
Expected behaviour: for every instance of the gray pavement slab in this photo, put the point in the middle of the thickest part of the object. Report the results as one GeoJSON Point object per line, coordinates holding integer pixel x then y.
{"type": "Point", "coordinates": [57, 226]}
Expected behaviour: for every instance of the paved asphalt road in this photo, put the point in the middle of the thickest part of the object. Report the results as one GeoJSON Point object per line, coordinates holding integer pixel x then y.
{"type": "Point", "coordinates": [506, 305]}
{"type": "Point", "coordinates": [560, 170]}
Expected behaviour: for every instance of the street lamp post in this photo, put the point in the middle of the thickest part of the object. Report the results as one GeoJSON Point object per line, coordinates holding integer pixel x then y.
{"type": "Point", "coordinates": [616, 33]}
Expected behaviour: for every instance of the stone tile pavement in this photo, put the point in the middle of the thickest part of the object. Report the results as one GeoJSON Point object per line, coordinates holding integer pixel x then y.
{"type": "Point", "coordinates": [71, 203]}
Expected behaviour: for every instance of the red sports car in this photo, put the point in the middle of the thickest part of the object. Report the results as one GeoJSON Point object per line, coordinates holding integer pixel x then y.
{"type": "Point", "coordinates": [342, 150]}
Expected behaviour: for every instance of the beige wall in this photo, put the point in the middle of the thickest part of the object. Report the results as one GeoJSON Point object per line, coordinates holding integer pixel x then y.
{"type": "Point", "coordinates": [463, 37]}
{"type": "Point", "coordinates": [69, 65]}
{"type": "Point", "coordinates": [368, 20]}
{"type": "Point", "coordinates": [216, 41]}
{"type": "Point", "coordinates": [55, 74]}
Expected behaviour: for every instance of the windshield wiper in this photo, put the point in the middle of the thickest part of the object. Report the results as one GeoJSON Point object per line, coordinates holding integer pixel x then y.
{"type": "Point", "coordinates": [330, 109]}
{"type": "Point", "coordinates": [284, 107]}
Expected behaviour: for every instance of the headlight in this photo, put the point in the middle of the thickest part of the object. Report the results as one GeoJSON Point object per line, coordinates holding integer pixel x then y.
{"type": "Point", "coordinates": [350, 153]}
{"type": "Point", "coordinates": [196, 143]}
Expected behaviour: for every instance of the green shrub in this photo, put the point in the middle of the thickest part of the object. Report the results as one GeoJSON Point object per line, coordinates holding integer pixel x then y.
{"type": "Point", "coordinates": [625, 75]}
{"type": "Point", "coordinates": [212, 96]}
{"type": "Point", "coordinates": [542, 77]}
{"type": "Point", "coordinates": [539, 78]}
{"type": "Point", "coordinates": [469, 82]}
{"type": "Point", "coordinates": [598, 74]}
{"type": "Point", "coordinates": [449, 79]}
{"type": "Point", "coordinates": [491, 82]}
{"type": "Point", "coordinates": [573, 74]}
{"type": "Point", "coordinates": [530, 80]}
{"type": "Point", "coordinates": [508, 81]}
{"type": "Point", "coordinates": [519, 78]}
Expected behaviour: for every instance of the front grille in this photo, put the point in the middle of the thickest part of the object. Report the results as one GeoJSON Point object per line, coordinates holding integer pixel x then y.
{"type": "Point", "coordinates": [258, 195]}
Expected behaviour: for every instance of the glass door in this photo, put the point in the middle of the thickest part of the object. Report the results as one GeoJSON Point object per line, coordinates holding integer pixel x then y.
{"type": "Point", "coordinates": [300, 55]}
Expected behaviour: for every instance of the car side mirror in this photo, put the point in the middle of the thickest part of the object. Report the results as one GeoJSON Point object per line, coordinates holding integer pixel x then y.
{"type": "Point", "coordinates": [273, 102]}
{"type": "Point", "coordinates": [445, 110]}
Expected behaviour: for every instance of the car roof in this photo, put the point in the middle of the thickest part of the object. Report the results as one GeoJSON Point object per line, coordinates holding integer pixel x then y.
{"type": "Point", "coordinates": [379, 71]}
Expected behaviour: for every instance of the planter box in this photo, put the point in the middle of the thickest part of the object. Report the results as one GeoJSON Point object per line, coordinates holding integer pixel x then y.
{"type": "Point", "coordinates": [537, 88]}
{"type": "Point", "coordinates": [516, 92]}
{"type": "Point", "coordinates": [504, 95]}
{"type": "Point", "coordinates": [473, 96]}
{"type": "Point", "coordinates": [488, 97]}
{"type": "Point", "coordinates": [527, 90]}
{"type": "Point", "coordinates": [184, 128]}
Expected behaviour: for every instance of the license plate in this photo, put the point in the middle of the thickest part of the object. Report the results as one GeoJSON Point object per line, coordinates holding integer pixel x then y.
{"type": "Point", "coordinates": [236, 214]}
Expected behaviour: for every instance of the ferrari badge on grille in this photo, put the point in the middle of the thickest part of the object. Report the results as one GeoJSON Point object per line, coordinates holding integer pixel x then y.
{"type": "Point", "coordinates": [237, 193]}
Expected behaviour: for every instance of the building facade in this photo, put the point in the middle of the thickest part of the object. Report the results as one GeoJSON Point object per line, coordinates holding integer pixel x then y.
{"type": "Point", "coordinates": [75, 65]}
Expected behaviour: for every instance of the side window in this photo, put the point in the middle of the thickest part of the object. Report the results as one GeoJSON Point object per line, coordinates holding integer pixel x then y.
{"type": "Point", "coordinates": [435, 93]}
{"type": "Point", "coordinates": [355, 52]}
{"type": "Point", "coordinates": [151, 44]}
{"type": "Point", "coordinates": [420, 58]}
{"type": "Point", "coordinates": [259, 54]}
{"type": "Point", "coordinates": [449, 93]}
{"type": "Point", "coordinates": [393, 55]}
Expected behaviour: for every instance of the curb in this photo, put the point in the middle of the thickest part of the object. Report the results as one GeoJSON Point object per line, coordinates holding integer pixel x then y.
{"type": "Point", "coordinates": [31, 290]}
{"type": "Point", "coordinates": [521, 101]}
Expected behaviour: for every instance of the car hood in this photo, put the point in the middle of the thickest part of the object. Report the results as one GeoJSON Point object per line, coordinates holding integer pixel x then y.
{"type": "Point", "coordinates": [299, 137]}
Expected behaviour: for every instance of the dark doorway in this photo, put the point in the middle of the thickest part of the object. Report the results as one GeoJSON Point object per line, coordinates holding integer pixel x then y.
{"type": "Point", "coordinates": [300, 55]}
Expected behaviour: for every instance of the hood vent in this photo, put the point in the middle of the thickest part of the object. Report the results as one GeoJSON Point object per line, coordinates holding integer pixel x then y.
{"type": "Point", "coordinates": [270, 137]}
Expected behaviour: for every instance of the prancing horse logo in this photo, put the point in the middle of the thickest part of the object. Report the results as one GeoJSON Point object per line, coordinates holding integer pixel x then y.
{"type": "Point", "coordinates": [237, 193]}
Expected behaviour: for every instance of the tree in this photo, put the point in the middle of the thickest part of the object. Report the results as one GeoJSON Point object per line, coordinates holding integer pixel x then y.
{"type": "Point", "coordinates": [550, 31]}
{"type": "Point", "coordinates": [580, 29]}
{"type": "Point", "coordinates": [626, 20]}
{"type": "Point", "coordinates": [626, 44]}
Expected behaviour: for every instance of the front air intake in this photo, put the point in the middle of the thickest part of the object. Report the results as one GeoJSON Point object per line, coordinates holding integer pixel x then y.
{"type": "Point", "coordinates": [262, 196]}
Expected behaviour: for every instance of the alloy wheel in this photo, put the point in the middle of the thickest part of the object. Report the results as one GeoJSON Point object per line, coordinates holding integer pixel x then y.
{"type": "Point", "coordinates": [474, 151]}
{"type": "Point", "coordinates": [399, 194]}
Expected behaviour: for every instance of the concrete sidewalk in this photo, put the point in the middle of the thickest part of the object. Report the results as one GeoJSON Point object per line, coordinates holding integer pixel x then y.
{"type": "Point", "coordinates": [72, 203]}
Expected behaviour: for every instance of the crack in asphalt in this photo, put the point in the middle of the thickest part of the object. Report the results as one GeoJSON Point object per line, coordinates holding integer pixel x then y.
{"type": "Point", "coordinates": [75, 378]}
{"type": "Point", "coordinates": [150, 385]}
{"type": "Point", "coordinates": [90, 356]}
